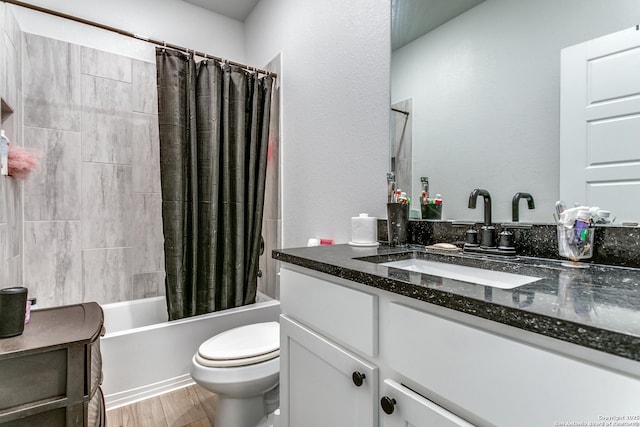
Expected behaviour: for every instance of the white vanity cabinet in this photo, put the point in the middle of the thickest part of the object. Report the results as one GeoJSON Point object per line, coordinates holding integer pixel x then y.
{"type": "Point", "coordinates": [323, 382]}
{"type": "Point", "coordinates": [425, 365]}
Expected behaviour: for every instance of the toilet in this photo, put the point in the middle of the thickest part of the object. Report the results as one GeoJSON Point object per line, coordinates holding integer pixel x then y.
{"type": "Point", "coordinates": [241, 366]}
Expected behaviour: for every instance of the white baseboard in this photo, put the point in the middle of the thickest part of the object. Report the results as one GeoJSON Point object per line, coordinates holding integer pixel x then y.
{"type": "Point", "coordinates": [127, 397]}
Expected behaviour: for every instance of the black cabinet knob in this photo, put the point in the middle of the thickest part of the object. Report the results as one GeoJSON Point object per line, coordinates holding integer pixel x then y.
{"type": "Point", "coordinates": [388, 404]}
{"type": "Point", "coordinates": [358, 378]}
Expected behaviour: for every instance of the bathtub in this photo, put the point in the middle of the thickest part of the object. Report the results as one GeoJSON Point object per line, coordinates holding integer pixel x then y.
{"type": "Point", "coordinates": [144, 355]}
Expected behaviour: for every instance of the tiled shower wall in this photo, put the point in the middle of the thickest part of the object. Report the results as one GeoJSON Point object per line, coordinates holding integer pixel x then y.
{"type": "Point", "coordinates": [87, 226]}
{"type": "Point", "coordinates": [10, 190]}
{"type": "Point", "coordinates": [92, 213]}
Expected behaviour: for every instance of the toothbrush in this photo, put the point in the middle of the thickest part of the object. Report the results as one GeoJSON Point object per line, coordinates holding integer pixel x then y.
{"type": "Point", "coordinates": [560, 208]}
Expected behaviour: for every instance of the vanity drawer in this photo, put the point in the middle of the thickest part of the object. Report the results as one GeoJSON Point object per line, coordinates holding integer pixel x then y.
{"type": "Point", "coordinates": [484, 376]}
{"type": "Point", "coordinates": [411, 409]}
{"type": "Point", "coordinates": [347, 315]}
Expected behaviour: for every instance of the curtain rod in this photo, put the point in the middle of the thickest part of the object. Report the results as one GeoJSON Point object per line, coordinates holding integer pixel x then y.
{"type": "Point", "coordinates": [134, 35]}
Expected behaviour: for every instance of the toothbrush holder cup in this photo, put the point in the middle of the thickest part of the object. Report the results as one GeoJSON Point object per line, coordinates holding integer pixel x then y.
{"type": "Point", "coordinates": [575, 243]}
{"type": "Point", "coordinates": [431, 211]}
{"type": "Point", "coordinates": [397, 223]}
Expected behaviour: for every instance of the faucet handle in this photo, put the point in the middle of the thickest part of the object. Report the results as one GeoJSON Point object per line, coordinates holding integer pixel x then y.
{"type": "Point", "coordinates": [471, 238]}
{"type": "Point", "coordinates": [505, 240]}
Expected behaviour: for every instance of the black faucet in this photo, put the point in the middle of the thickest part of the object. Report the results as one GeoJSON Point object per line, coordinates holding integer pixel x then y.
{"type": "Point", "coordinates": [488, 231]}
{"type": "Point", "coordinates": [487, 203]}
{"type": "Point", "coordinates": [515, 213]}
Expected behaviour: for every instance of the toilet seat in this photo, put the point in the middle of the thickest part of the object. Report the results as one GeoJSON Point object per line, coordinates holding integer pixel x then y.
{"type": "Point", "coordinates": [242, 346]}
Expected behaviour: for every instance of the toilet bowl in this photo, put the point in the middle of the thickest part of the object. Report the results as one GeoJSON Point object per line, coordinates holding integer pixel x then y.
{"type": "Point", "coordinates": [242, 367]}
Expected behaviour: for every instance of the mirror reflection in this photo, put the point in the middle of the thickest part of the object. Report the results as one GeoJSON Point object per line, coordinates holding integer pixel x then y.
{"type": "Point", "coordinates": [475, 92]}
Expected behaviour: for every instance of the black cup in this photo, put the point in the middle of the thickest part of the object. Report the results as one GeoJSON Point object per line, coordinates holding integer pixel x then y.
{"type": "Point", "coordinates": [13, 303]}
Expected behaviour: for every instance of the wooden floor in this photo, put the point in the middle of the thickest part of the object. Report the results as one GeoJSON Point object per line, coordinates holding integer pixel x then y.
{"type": "Point", "coordinates": [191, 406]}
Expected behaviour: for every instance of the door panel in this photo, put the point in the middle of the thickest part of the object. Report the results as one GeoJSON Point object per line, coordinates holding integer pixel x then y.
{"type": "Point", "coordinates": [317, 389]}
{"type": "Point", "coordinates": [600, 124]}
{"type": "Point", "coordinates": [614, 75]}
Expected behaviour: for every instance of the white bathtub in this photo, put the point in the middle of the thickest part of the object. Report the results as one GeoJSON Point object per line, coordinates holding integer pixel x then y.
{"type": "Point", "coordinates": [144, 355]}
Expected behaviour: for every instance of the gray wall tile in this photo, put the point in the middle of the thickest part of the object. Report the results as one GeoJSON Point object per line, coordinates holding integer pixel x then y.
{"type": "Point", "coordinates": [106, 206]}
{"type": "Point", "coordinates": [52, 262]}
{"type": "Point", "coordinates": [145, 92]}
{"type": "Point", "coordinates": [12, 28]}
{"type": "Point", "coordinates": [18, 120]}
{"type": "Point", "coordinates": [146, 153]}
{"type": "Point", "coordinates": [106, 120]}
{"type": "Point", "coordinates": [147, 285]}
{"type": "Point", "coordinates": [106, 274]}
{"type": "Point", "coordinates": [3, 256]}
{"type": "Point", "coordinates": [13, 199]}
{"type": "Point", "coordinates": [104, 64]}
{"type": "Point", "coordinates": [149, 239]}
{"type": "Point", "coordinates": [54, 191]}
{"type": "Point", "coordinates": [402, 146]}
{"type": "Point", "coordinates": [272, 179]}
{"type": "Point", "coordinates": [3, 199]}
{"type": "Point", "coordinates": [11, 66]}
{"type": "Point", "coordinates": [14, 267]}
{"type": "Point", "coordinates": [2, 27]}
{"type": "Point", "coordinates": [11, 73]}
{"type": "Point", "coordinates": [51, 86]}
{"type": "Point", "coordinates": [267, 284]}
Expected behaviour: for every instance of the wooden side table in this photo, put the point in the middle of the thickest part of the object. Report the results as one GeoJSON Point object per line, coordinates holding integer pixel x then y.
{"type": "Point", "coordinates": [51, 374]}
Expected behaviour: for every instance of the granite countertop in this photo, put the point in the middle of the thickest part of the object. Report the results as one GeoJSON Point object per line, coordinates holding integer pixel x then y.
{"type": "Point", "coordinates": [596, 307]}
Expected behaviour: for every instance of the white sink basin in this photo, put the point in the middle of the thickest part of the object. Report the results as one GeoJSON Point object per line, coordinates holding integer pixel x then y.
{"type": "Point", "coordinates": [479, 276]}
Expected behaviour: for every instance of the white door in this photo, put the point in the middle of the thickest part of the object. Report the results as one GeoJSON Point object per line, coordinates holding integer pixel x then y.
{"type": "Point", "coordinates": [321, 384]}
{"type": "Point", "coordinates": [403, 407]}
{"type": "Point", "coordinates": [600, 124]}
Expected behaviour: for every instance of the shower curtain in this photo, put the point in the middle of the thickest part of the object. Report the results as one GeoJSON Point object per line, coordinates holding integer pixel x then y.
{"type": "Point", "coordinates": [214, 126]}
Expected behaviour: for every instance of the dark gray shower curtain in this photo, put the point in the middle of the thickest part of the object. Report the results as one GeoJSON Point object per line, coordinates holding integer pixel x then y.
{"type": "Point", "coordinates": [214, 127]}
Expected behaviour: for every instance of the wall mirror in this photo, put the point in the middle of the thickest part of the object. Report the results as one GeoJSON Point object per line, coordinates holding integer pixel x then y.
{"type": "Point", "coordinates": [476, 86]}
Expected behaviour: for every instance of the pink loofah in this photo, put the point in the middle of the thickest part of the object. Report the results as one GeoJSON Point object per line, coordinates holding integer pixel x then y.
{"type": "Point", "coordinates": [21, 162]}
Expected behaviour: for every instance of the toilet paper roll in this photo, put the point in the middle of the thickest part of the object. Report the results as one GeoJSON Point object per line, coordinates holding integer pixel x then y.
{"type": "Point", "coordinates": [364, 229]}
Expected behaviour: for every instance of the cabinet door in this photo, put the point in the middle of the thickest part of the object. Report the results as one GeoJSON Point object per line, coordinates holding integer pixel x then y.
{"type": "Point", "coordinates": [321, 384]}
{"type": "Point", "coordinates": [411, 409]}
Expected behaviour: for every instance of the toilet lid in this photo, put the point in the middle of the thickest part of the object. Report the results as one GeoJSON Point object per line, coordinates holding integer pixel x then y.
{"type": "Point", "coordinates": [242, 346]}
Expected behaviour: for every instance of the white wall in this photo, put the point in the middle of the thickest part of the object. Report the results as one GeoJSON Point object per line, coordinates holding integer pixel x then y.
{"type": "Point", "coordinates": [335, 109]}
{"type": "Point", "coordinates": [335, 88]}
{"type": "Point", "coordinates": [486, 98]}
{"type": "Point", "coordinates": [173, 21]}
